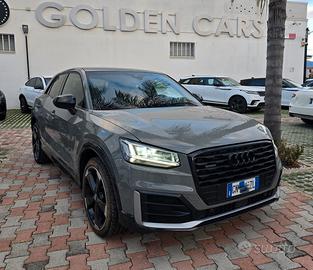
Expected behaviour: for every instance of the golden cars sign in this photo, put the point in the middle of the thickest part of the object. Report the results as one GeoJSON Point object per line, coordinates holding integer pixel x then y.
{"type": "Point", "coordinates": [150, 21]}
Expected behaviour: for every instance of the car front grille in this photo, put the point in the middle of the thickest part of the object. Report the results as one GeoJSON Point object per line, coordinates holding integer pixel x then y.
{"type": "Point", "coordinates": [214, 168]}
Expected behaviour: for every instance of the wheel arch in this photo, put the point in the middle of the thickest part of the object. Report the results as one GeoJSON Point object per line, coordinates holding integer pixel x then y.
{"type": "Point", "coordinates": [237, 95]}
{"type": "Point", "coordinates": [92, 150]}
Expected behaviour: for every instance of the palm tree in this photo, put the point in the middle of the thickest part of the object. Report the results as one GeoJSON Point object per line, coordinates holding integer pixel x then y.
{"type": "Point", "coordinates": [274, 70]}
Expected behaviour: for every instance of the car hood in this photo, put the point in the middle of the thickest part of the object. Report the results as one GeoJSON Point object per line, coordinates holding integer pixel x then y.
{"type": "Point", "coordinates": [186, 129]}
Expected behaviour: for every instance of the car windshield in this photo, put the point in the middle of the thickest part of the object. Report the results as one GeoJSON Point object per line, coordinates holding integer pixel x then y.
{"type": "Point", "coordinates": [309, 84]}
{"type": "Point", "coordinates": [228, 82]}
{"type": "Point", "coordinates": [290, 84]}
{"type": "Point", "coordinates": [47, 80]}
{"type": "Point", "coordinates": [114, 90]}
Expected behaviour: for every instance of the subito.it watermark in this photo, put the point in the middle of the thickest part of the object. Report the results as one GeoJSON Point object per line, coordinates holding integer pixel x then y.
{"type": "Point", "coordinates": [246, 248]}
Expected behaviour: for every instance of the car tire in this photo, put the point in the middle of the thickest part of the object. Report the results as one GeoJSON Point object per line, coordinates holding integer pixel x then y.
{"type": "Point", "coordinates": [3, 116]}
{"type": "Point", "coordinates": [238, 104]}
{"type": "Point", "coordinates": [307, 121]}
{"type": "Point", "coordinates": [23, 105]}
{"type": "Point", "coordinates": [39, 155]}
{"type": "Point", "coordinates": [99, 199]}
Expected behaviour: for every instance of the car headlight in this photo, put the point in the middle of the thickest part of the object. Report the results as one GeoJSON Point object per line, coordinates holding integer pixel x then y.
{"type": "Point", "coordinates": [265, 130]}
{"type": "Point", "coordinates": [141, 154]}
{"type": "Point", "coordinates": [251, 92]}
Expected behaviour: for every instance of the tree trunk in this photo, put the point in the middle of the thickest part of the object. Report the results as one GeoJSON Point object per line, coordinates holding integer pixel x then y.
{"type": "Point", "coordinates": [274, 70]}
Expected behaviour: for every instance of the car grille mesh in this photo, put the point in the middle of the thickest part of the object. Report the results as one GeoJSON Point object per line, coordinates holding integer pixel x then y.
{"type": "Point", "coordinates": [164, 209]}
{"type": "Point", "coordinates": [214, 168]}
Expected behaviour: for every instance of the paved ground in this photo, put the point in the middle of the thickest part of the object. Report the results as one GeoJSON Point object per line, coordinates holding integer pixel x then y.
{"type": "Point", "coordinates": [43, 226]}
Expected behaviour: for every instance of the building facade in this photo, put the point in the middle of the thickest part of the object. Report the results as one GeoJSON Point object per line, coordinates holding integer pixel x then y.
{"type": "Point", "coordinates": [216, 37]}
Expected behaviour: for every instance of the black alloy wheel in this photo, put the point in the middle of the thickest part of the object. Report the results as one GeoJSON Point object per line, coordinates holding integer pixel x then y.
{"type": "Point", "coordinates": [95, 196]}
{"type": "Point", "coordinates": [99, 199]}
{"type": "Point", "coordinates": [238, 104]}
{"type": "Point", "coordinates": [23, 105]}
{"type": "Point", "coordinates": [39, 155]}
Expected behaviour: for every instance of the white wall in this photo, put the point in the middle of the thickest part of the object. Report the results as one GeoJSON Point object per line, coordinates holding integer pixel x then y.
{"type": "Point", "coordinates": [53, 50]}
{"type": "Point", "coordinates": [294, 52]}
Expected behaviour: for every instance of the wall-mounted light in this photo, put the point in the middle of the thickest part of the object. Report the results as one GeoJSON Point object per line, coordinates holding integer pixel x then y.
{"type": "Point", "coordinates": [25, 29]}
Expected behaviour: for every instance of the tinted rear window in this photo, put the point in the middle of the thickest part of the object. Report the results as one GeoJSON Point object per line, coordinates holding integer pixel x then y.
{"type": "Point", "coordinates": [253, 82]}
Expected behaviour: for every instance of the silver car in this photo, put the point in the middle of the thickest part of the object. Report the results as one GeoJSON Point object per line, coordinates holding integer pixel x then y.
{"type": "Point", "coordinates": [147, 153]}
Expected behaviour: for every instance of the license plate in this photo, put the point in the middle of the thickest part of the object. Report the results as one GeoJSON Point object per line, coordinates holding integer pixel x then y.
{"type": "Point", "coordinates": [242, 187]}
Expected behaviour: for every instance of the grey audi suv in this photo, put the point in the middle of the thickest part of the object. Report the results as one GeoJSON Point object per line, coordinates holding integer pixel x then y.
{"type": "Point", "coordinates": [147, 153]}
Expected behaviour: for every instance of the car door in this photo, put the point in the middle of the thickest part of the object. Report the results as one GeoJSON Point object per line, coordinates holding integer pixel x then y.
{"type": "Point", "coordinates": [47, 117]}
{"type": "Point", "coordinates": [220, 93]}
{"type": "Point", "coordinates": [203, 87]}
{"type": "Point", "coordinates": [69, 124]}
{"type": "Point", "coordinates": [287, 94]}
{"type": "Point", "coordinates": [28, 91]}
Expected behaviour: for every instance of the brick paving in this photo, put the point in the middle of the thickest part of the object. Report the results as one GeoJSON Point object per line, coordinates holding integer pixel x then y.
{"type": "Point", "coordinates": [43, 226]}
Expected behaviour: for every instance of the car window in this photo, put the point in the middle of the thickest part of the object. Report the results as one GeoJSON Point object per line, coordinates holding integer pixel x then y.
{"type": "Point", "coordinates": [56, 86]}
{"type": "Point", "coordinates": [47, 80]}
{"type": "Point", "coordinates": [74, 86]}
{"type": "Point", "coordinates": [290, 84]}
{"type": "Point", "coordinates": [132, 90]}
{"type": "Point", "coordinates": [253, 82]}
{"type": "Point", "coordinates": [210, 81]}
{"type": "Point", "coordinates": [258, 82]}
{"type": "Point", "coordinates": [31, 82]}
{"type": "Point", "coordinates": [198, 81]}
{"type": "Point", "coordinates": [224, 81]}
{"type": "Point", "coordinates": [185, 81]}
{"type": "Point", "coordinates": [310, 84]}
{"type": "Point", "coordinates": [39, 84]}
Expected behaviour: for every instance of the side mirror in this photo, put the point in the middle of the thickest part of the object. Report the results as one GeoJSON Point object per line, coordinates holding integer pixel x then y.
{"type": "Point", "coordinates": [67, 102]}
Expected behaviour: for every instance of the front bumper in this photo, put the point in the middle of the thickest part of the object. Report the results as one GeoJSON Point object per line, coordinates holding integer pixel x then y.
{"type": "Point", "coordinates": [191, 225]}
{"type": "Point", "coordinates": [302, 116]}
{"type": "Point", "coordinates": [257, 104]}
{"type": "Point", "coordinates": [169, 199]}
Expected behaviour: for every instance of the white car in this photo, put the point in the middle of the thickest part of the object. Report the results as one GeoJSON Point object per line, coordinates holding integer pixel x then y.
{"type": "Point", "coordinates": [301, 106]}
{"type": "Point", "coordinates": [32, 89]}
{"type": "Point", "coordinates": [289, 88]}
{"type": "Point", "coordinates": [225, 91]}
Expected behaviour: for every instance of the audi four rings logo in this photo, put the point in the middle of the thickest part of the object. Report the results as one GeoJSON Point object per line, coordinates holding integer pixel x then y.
{"type": "Point", "coordinates": [4, 12]}
{"type": "Point", "coordinates": [241, 159]}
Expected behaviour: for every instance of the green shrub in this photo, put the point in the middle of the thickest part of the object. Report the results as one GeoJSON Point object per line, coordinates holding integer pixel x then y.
{"type": "Point", "coordinates": [290, 154]}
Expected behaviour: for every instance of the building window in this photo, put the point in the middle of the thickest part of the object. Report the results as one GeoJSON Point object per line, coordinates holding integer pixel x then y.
{"type": "Point", "coordinates": [7, 43]}
{"type": "Point", "coordinates": [182, 49]}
